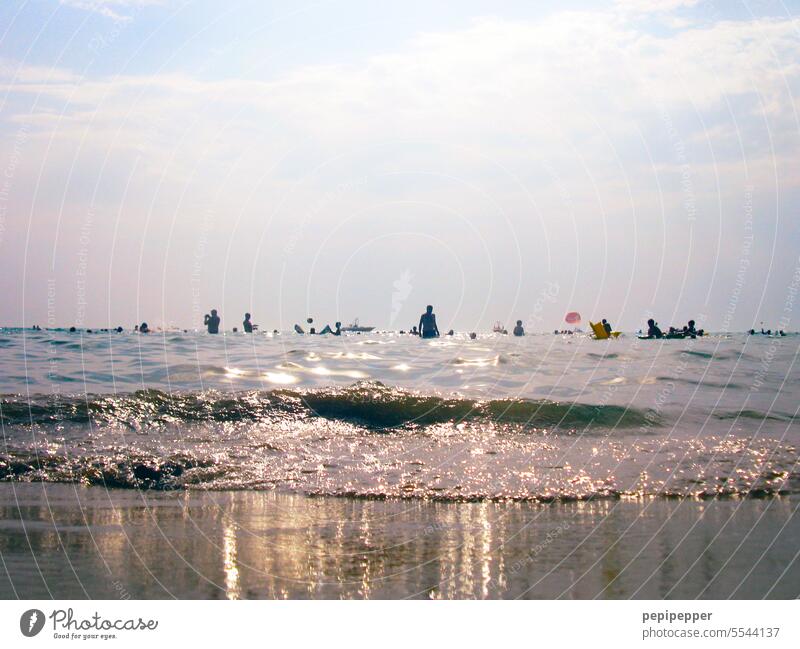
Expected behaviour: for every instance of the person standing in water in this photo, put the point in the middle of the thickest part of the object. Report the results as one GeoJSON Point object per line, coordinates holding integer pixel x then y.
{"type": "Point", "coordinates": [247, 325]}
{"type": "Point", "coordinates": [427, 324]}
{"type": "Point", "coordinates": [212, 322]}
{"type": "Point", "coordinates": [519, 330]}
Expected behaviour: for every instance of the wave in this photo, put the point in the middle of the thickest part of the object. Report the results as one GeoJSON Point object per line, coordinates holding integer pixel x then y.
{"type": "Point", "coordinates": [369, 404]}
{"type": "Point", "coordinates": [756, 414]}
{"type": "Point", "coordinates": [185, 471]}
{"type": "Point", "coordinates": [728, 385]}
{"type": "Point", "coordinates": [119, 471]}
{"type": "Point", "coordinates": [610, 355]}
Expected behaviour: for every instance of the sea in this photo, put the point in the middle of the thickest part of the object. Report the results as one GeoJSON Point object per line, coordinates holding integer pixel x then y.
{"type": "Point", "coordinates": [379, 465]}
{"type": "Point", "coordinates": [386, 415]}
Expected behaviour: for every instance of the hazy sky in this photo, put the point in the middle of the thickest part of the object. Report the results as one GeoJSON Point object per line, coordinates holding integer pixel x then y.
{"type": "Point", "coordinates": [343, 159]}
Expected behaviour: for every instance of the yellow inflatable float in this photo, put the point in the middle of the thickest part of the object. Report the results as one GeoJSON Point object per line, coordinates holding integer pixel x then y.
{"type": "Point", "coordinates": [600, 332]}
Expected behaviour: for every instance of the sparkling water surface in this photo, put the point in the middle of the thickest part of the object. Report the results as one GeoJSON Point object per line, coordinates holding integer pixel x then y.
{"type": "Point", "coordinates": [387, 415]}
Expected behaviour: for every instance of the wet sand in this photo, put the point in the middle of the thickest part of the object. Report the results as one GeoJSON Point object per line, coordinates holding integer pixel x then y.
{"type": "Point", "coordinates": [70, 541]}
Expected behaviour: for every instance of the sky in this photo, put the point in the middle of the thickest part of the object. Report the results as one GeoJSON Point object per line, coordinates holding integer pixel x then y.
{"type": "Point", "coordinates": [499, 160]}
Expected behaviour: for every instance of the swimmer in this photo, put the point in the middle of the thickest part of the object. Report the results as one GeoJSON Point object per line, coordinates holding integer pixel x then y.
{"type": "Point", "coordinates": [328, 330]}
{"type": "Point", "coordinates": [144, 329]}
{"type": "Point", "coordinates": [652, 329]}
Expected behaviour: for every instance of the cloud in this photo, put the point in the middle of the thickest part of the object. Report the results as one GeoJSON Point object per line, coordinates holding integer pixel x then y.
{"type": "Point", "coordinates": [653, 6]}
{"type": "Point", "coordinates": [109, 8]}
{"type": "Point", "coordinates": [498, 85]}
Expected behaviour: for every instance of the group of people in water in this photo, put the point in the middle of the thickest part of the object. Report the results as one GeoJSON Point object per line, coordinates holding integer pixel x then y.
{"type": "Point", "coordinates": [428, 328]}
{"type": "Point", "coordinates": [768, 332]}
{"type": "Point", "coordinates": [688, 331]}
{"type": "Point", "coordinates": [335, 331]}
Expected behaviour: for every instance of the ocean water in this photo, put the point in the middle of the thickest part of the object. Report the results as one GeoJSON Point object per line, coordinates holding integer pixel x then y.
{"type": "Point", "coordinates": [540, 418]}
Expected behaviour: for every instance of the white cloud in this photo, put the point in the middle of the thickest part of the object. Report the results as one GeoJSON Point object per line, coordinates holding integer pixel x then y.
{"type": "Point", "coordinates": [574, 75]}
{"type": "Point", "coordinates": [653, 6]}
{"type": "Point", "coordinates": [109, 8]}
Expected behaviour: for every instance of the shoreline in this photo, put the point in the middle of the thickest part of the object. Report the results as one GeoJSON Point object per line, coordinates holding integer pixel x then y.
{"type": "Point", "coordinates": [72, 541]}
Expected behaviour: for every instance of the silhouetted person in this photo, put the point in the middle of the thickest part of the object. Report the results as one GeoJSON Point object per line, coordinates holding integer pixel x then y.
{"type": "Point", "coordinates": [690, 329]}
{"type": "Point", "coordinates": [335, 332]}
{"type": "Point", "coordinates": [519, 330]}
{"type": "Point", "coordinates": [473, 336]}
{"type": "Point", "coordinates": [414, 331]}
{"type": "Point", "coordinates": [607, 326]}
{"type": "Point", "coordinates": [427, 324]}
{"type": "Point", "coordinates": [652, 329]}
{"type": "Point", "coordinates": [72, 330]}
{"type": "Point", "coordinates": [212, 322]}
{"type": "Point", "coordinates": [143, 328]}
{"type": "Point", "coordinates": [247, 325]}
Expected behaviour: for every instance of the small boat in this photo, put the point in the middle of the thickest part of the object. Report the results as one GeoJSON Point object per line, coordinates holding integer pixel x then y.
{"type": "Point", "coordinates": [356, 327]}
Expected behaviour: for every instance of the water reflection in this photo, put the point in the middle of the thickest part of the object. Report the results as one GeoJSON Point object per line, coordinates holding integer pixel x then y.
{"type": "Point", "coordinates": [229, 562]}
{"type": "Point", "coordinates": [265, 545]}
